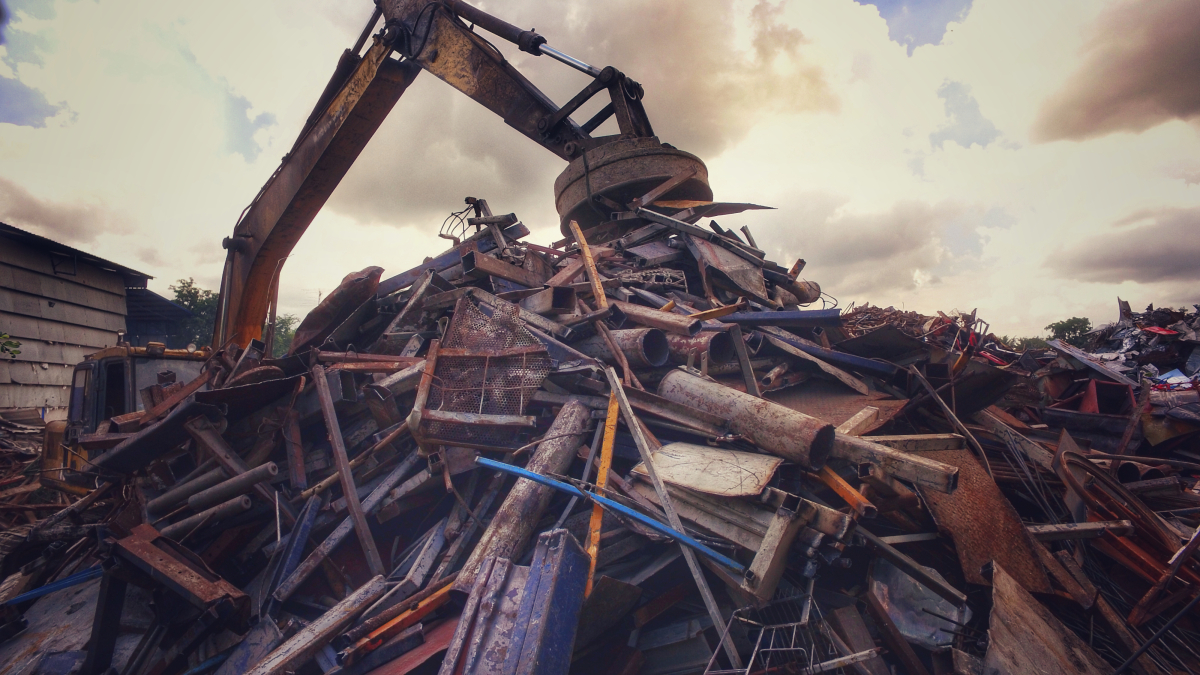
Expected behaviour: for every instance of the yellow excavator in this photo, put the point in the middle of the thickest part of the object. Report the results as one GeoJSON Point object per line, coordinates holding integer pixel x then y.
{"type": "Point", "coordinates": [123, 386]}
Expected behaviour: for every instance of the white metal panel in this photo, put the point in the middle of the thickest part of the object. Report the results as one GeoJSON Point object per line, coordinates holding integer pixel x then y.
{"type": "Point", "coordinates": [19, 255]}
{"type": "Point", "coordinates": [56, 310]}
{"type": "Point", "coordinates": [60, 288]}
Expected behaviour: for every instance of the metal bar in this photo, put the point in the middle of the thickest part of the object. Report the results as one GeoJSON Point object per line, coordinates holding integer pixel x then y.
{"type": "Point", "coordinates": [589, 265]}
{"type": "Point", "coordinates": [597, 520]}
{"type": "Point", "coordinates": [477, 265]}
{"type": "Point", "coordinates": [639, 437]}
{"type": "Point", "coordinates": [962, 429]}
{"type": "Point", "coordinates": [290, 584]}
{"type": "Point", "coordinates": [1155, 638]}
{"type": "Point", "coordinates": [345, 473]}
{"type": "Point", "coordinates": [94, 572]}
{"type": "Point", "coordinates": [915, 570]}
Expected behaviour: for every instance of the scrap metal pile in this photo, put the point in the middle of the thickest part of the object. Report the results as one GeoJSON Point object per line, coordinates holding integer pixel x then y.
{"type": "Point", "coordinates": [627, 452]}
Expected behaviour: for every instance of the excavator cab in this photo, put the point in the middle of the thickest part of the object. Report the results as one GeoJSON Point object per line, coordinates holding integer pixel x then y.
{"type": "Point", "coordinates": [108, 385]}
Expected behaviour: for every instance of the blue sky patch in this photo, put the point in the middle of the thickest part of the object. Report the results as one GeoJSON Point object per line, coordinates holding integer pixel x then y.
{"type": "Point", "coordinates": [23, 105]}
{"type": "Point", "coordinates": [913, 23]}
{"type": "Point", "coordinates": [965, 125]}
{"type": "Point", "coordinates": [240, 129]}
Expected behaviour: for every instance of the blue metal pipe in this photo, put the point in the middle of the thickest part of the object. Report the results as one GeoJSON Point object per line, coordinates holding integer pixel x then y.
{"type": "Point", "coordinates": [94, 572]}
{"type": "Point", "coordinates": [803, 318]}
{"type": "Point", "coordinates": [614, 506]}
{"type": "Point", "coordinates": [842, 359]}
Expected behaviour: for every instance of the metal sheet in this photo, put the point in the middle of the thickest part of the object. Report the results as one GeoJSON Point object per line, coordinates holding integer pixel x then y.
{"type": "Point", "coordinates": [1024, 637]}
{"type": "Point", "coordinates": [983, 524]}
{"type": "Point", "coordinates": [716, 471]}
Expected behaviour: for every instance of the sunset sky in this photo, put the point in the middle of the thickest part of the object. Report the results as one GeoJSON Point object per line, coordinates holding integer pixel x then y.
{"type": "Point", "coordinates": [1034, 160]}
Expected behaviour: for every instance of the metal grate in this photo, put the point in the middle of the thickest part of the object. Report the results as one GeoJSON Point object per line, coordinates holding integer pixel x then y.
{"type": "Point", "coordinates": [486, 382]}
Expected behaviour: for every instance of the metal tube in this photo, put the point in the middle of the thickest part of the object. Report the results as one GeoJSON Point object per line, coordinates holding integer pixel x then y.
{"type": "Point", "coordinates": [656, 318]}
{"type": "Point", "coordinates": [774, 428]}
{"type": "Point", "coordinates": [180, 493]}
{"type": "Point", "coordinates": [570, 61]}
{"type": "Point", "coordinates": [643, 347]}
{"type": "Point", "coordinates": [512, 526]}
{"type": "Point", "coordinates": [614, 506]}
{"type": "Point", "coordinates": [803, 318]}
{"type": "Point", "coordinates": [219, 512]}
{"type": "Point", "coordinates": [718, 344]}
{"type": "Point", "coordinates": [238, 485]}
{"type": "Point", "coordinates": [290, 655]}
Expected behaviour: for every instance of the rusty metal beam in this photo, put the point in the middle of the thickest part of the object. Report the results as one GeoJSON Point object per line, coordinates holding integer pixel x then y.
{"type": "Point", "coordinates": [308, 175]}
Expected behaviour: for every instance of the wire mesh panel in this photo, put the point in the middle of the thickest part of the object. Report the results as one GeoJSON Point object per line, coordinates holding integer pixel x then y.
{"type": "Point", "coordinates": [486, 366]}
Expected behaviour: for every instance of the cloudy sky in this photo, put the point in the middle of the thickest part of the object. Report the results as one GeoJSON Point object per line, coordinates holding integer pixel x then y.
{"type": "Point", "coordinates": [1035, 160]}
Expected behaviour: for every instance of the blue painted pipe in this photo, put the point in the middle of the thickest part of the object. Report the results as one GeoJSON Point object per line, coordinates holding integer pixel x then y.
{"type": "Point", "coordinates": [842, 359]}
{"type": "Point", "coordinates": [802, 318]}
{"type": "Point", "coordinates": [94, 572]}
{"type": "Point", "coordinates": [614, 506]}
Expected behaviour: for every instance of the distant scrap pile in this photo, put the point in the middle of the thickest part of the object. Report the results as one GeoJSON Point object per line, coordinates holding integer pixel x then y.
{"type": "Point", "coordinates": [629, 451]}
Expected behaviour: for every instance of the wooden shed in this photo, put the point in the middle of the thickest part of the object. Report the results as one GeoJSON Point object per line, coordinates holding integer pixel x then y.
{"type": "Point", "coordinates": [61, 304]}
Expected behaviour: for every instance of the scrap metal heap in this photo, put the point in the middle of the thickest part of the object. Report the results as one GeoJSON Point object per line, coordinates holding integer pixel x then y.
{"type": "Point", "coordinates": [629, 451]}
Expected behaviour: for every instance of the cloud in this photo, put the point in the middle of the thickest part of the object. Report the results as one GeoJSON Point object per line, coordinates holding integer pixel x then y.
{"type": "Point", "coordinates": [1148, 246]}
{"type": "Point", "coordinates": [77, 223]}
{"type": "Point", "coordinates": [1141, 68]}
{"type": "Point", "coordinates": [909, 245]}
{"type": "Point", "coordinates": [1188, 173]}
{"type": "Point", "coordinates": [23, 105]}
{"type": "Point", "coordinates": [913, 23]}
{"type": "Point", "coordinates": [150, 256]}
{"type": "Point", "coordinates": [705, 86]}
{"type": "Point", "coordinates": [966, 125]}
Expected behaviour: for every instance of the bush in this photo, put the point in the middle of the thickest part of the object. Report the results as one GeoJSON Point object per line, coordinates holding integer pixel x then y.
{"type": "Point", "coordinates": [1072, 331]}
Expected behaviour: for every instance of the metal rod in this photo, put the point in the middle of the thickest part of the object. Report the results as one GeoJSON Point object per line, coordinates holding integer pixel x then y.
{"type": "Point", "coordinates": [1155, 638]}
{"type": "Point", "coordinates": [570, 61]}
{"type": "Point", "coordinates": [614, 506]}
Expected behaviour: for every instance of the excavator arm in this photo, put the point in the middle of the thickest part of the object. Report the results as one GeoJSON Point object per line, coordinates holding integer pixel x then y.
{"type": "Point", "coordinates": [439, 36]}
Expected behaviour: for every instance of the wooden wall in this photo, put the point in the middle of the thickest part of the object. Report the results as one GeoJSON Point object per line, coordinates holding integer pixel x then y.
{"type": "Point", "coordinates": [59, 316]}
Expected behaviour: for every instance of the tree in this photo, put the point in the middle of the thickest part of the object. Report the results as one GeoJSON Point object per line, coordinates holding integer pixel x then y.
{"type": "Point", "coordinates": [1073, 331]}
{"type": "Point", "coordinates": [202, 302]}
{"type": "Point", "coordinates": [285, 330]}
{"type": "Point", "coordinates": [9, 346]}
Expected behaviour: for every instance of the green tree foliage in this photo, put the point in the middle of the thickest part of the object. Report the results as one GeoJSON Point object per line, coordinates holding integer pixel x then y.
{"type": "Point", "coordinates": [1021, 344]}
{"type": "Point", "coordinates": [285, 330]}
{"type": "Point", "coordinates": [202, 302]}
{"type": "Point", "coordinates": [9, 346]}
{"type": "Point", "coordinates": [1072, 331]}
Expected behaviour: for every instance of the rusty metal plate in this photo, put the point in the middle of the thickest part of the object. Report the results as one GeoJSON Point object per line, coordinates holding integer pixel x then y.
{"type": "Point", "coordinates": [983, 524]}
{"type": "Point", "coordinates": [833, 404]}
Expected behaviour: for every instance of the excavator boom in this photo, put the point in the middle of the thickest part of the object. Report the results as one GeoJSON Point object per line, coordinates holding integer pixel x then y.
{"type": "Point", "coordinates": [435, 36]}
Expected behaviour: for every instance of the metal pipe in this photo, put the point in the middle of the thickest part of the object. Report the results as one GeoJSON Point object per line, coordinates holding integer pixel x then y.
{"type": "Point", "coordinates": [803, 318]}
{"type": "Point", "coordinates": [614, 506]}
{"type": "Point", "coordinates": [774, 428]}
{"type": "Point", "coordinates": [656, 318]}
{"type": "Point", "coordinates": [841, 359]}
{"type": "Point", "coordinates": [512, 526]}
{"type": "Point", "coordinates": [569, 60]}
{"type": "Point", "coordinates": [643, 347]}
{"type": "Point", "coordinates": [718, 344]}
{"type": "Point", "coordinates": [180, 493]}
{"type": "Point", "coordinates": [290, 655]}
{"type": "Point", "coordinates": [238, 485]}
{"type": "Point", "coordinates": [232, 507]}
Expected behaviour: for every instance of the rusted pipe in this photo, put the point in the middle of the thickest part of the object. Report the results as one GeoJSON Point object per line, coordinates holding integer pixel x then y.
{"type": "Point", "coordinates": [180, 493]}
{"type": "Point", "coordinates": [678, 324]}
{"type": "Point", "coordinates": [513, 524]}
{"type": "Point", "coordinates": [718, 344]}
{"type": "Point", "coordinates": [774, 428]}
{"type": "Point", "coordinates": [643, 347]}
{"type": "Point", "coordinates": [238, 485]}
{"type": "Point", "coordinates": [217, 513]}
